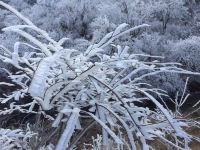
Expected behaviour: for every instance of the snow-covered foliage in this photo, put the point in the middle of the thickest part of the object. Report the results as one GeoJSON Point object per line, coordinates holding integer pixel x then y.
{"type": "Point", "coordinates": [101, 84]}
{"type": "Point", "coordinates": [187, 53]}
{"type": "Point", "coordinates": [14, 139]}
{"type": "Point", "coordinates": [170, 10]}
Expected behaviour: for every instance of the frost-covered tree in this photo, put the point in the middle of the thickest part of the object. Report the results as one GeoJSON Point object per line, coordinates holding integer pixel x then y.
{"type": "Point", "coordinates": [167, 11]}
{"type": "Point", "coordinates": [131, 12]}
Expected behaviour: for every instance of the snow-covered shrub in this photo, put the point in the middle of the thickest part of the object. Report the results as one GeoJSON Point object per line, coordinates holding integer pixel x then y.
{"type": "Point", "coordinates": [176, 32]}
{"type": "Point", "coordinates": [131, 12]}
{"type": "Point", "coordinates": [14, 139]}
{"type": "Point", "coordinates": [101, 26]}
{"type": "Point", "coordinates": [95, 84]}
{"type": "Point", "coordinates": [152, 44]}
{"type": "Point", "coordinates": [187, 53]}
{"type": "Point", "coordinates": [65, 16]}
{"type": "Point", "coordinates": [170, 82]}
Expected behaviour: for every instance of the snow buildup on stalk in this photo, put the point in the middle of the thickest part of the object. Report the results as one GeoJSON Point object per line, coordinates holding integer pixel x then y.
{"type": "Point", "coordinates": [15, 55]}
{"type": "Point", "coordinates": [38, 85]}
{"type": "Point", "coordinates": [69, 130]}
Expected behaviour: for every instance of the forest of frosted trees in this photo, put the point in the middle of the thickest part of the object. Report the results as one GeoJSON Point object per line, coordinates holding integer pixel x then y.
{"type": "Point", "coordinates": [99, 74]}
